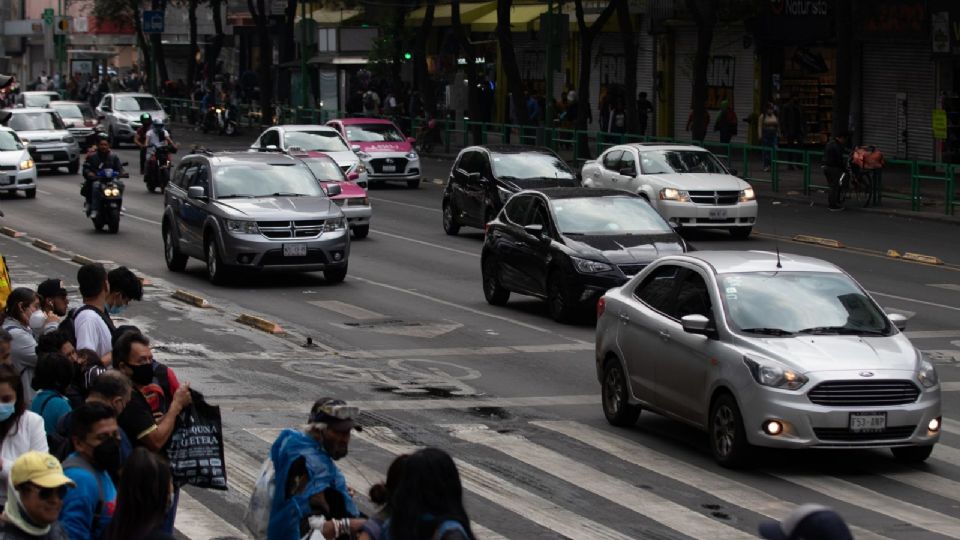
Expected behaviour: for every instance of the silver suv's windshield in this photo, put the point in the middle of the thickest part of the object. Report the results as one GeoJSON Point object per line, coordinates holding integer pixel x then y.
{"type": "Point", "coordinates": [248, 180]}
{"type": "Point", "coordinates": [137, 103]}
{"type": "Point", "coordinates": [35, 121]}
{"type": "Point", "coordinates": [318, 141]}
{"type": "Point", "coordinates": [607, 215]}
{"type": "Point", "coordinates": [679, 161]}
{"type": "Point", "coordinates": [9, 142]}
{"type": "Point", "coordinates": [373, 133]}
{"type": "Point", "coordinates": [787, 303]}
{"type": "Point", "coordinates": [526, 165]}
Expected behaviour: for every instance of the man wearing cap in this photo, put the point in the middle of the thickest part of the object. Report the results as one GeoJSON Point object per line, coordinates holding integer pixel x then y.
{"type": "Point", "coordinates": [808, 522]}
{"type": "Point", "coordinates": [307, 481]}
{"type": "Point", "coordinates": [53, 297]}
{"type": "Point", "coordinates": [37, 487]}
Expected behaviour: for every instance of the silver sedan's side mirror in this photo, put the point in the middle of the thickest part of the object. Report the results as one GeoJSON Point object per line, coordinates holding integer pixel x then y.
{"type": "Point", "coordinates": [899, 320]}
{"type": "Point", "coordinates": [695, 324]}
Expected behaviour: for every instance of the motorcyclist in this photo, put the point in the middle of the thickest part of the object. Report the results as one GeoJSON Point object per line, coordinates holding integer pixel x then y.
{"type": "Point", "coordinates": [140, 138]}
{"type": "Point", "coordinates": [102, 159]}
{"type": "Point", "coordinates": [157, 137]}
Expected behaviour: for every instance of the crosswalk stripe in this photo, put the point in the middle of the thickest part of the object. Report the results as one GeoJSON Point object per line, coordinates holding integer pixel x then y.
{"type": "Point", "coordinates": [929, 482]}
{"type": "Point", "coordinates": [504, 494]}
{"type": "Point", "coordinates": [850, 493]}
{"type": "Point", "coordinates": [197, 522]}
{"type": "Point", "coordinates": [721, 487]}
{"type": "Point", "coordinates": [947, 454]}
{"type": "Point", "coordinates": [951, 426]}
{"type": "Point", "coordinates": [672, 515]}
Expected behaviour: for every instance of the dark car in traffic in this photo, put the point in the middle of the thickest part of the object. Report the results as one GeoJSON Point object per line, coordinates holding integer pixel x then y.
{"type": "Point", "coordinates": [570, 245]}
{"type": "Point", "coordinates": [484, 177]}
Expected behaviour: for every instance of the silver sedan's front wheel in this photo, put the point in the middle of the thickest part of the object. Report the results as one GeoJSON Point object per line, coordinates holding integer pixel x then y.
{"type": "Point", "coordinates": [728, 440]}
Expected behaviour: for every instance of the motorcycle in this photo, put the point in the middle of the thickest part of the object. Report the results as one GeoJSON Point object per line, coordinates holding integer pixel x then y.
{"type": "Point", "coordinates": [221, 119]}
{"type": "Point", "coordinates": [110, 201]}
{"type": "Point", "coordinates": [158, 168]}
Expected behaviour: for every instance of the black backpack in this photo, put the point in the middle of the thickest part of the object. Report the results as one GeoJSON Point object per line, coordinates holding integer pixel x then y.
{"type": "Point", "coordinates": [67, 324]}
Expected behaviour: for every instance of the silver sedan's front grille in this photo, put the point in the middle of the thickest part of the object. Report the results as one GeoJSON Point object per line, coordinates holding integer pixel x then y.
{"type": "Point", "coordinates": [285, 230]}
{"type": "Point", "coordinates": [864, 393]}
{"type": "Point", "coordinates": [715, 197]}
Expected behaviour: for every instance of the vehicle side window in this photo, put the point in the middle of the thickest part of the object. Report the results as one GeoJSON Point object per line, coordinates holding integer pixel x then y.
{"type": "Point", "coordinates": [468, 163]}
{"type": "Point", "coordinates": [108, 102]}
{"type": "Point", "coordinates": [189, 174]}
{"type": "Point", "coordinates": [178, 175]}
{"type": "Point", "coordinates": [611, 160]}
{"type": "Point", "coordinates": [693, 298]}
{"type": "Point", "coordinates": [539, 215]}
{"type": "Point", "coordinates": [202, 178]}
{"type": "Point", "coordinates": [656, 289]}
{"type": "Point", "coordinates": [516, 209]}
{"type": "Point", "coordinates": [627, 161]}
{"type": "Point", "coordinates": [270, 137]}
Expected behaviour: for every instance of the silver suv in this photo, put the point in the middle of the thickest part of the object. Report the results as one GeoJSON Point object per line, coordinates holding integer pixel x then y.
{"type": "Point", "coordinates": [50, 144]}
{"type": "Point", "coordinates": [120, 114]}
{"type": "Point", "coordinates": [253, 211]}
{"type": "Point", "coordinates": [766, 350]}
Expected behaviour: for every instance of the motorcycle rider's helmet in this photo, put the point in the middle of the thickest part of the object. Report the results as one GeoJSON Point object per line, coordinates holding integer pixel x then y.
{"type": "Point", "coordinates": [145, 118]}
{"type": "Point", "coordinates": [158, 124]}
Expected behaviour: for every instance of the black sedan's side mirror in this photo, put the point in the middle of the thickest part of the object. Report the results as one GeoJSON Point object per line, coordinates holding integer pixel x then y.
{"type": "Point", "coordinates": [473, 178]}
{"type": "Point", "coordinates": [333, 190]}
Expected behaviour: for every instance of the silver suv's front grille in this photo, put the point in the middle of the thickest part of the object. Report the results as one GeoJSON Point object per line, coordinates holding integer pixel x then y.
{"type": "Point", "coordinates": [864, 393]}
{"type": "Point", "coordinates": [715, 197]}
{"type": "Point", "coordinates": [285, 230]}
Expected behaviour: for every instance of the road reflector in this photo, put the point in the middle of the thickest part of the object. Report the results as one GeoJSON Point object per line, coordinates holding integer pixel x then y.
{"type": "Point", "coordinates": [191, 298]}
{"type": "Point", "coordinates": [925, 259]}
{"type": "Point", "coordinates": [260, 323]}
{"type": "Point", "coordinates": [826, 242]}
{"type": "Point", "coordinates": [44, 245]}
{"type": "Point", "coordinates": [893, 253]}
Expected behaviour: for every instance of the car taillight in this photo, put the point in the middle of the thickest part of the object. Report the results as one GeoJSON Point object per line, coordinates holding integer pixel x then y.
{"type": "Point", "coordinates": [601, 306]}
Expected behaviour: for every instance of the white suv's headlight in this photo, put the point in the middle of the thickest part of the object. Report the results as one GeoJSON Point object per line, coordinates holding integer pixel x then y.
{"type": "Point", "coordinates": [241, 226]}
{"type": "Point", "coordinates": [927, 374]}
{"type": "Point", "coordinates": [68, 139]}
{"type": "Point", "coordinates": [774, 375]}
{"type": "Point", "coordinates": [586, 266]}
{"type": "Point", "coordinates": [671, 194]}
{"type": "Point", "coordinates": [747, 195]}
{"type": "Point", "coordinates": [332, 225]}
{"type": "Point", "coordinates": [26, 165]}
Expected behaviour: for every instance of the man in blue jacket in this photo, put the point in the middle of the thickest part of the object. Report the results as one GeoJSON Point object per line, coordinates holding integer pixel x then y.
{"type": "Point", "coordinates": [88, 508]}
{"type": "Point", "coordinates": [307, 481]}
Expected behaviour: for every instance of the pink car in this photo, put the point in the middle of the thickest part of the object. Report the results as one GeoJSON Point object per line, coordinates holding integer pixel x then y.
{"type": "Point", "coordinates": [352, 199]}
{"type": "Point", "coordinates": [386, 153]}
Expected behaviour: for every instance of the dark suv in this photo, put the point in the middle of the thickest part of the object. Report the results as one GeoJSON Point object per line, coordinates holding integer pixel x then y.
{"type": "Point", "coordinates": [484, 177]}
{"type": "Point", "coordinates": [253, 211]}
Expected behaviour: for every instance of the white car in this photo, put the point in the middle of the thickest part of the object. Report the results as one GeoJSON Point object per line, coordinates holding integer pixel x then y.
{"type": "Point", "coordinates": [687, 185]}
{"type": "Point", "coordinates": [312, 138]}
{"type": "Point", "coordinates": [17, 169]}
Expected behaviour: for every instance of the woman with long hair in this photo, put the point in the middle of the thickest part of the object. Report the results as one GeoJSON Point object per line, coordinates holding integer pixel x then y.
{"type": "Point", "coordinates": [144, 496]}
{"type": "Point", "coordinates": [20, 429]}
{"type": "Point", "coordinates": [380, 495]}
{"type": "Point", "coordinates": [21, 306]}
{"type": "Point", "coordinates": [428, 502]}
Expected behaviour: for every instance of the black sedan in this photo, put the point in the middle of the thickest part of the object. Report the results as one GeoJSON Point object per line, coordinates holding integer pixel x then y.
{"type": "Point", "coordinates": [484, 177]}
{"type": "Point", "coordinates": [570, 245]}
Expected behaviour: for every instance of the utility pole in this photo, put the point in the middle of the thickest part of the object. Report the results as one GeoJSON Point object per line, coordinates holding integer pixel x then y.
{"type": "Point", "coordinates": [303, 54]}
{"type": "Point", "coordinates": [551, 52]}
{"type": "Point", "coordinates": [61, 44]}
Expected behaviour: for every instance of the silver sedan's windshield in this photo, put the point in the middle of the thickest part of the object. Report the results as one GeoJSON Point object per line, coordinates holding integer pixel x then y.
{"type": "Point", "coordinates": [9, 142]}
{"type": "Point", "coordinates": [248, 180]}
{"type": "Point", "coordinates": [607, 215]}
{"type": "Point", "coordinates": [787, 303]}
{"type": "Point", "coordinates": [315, 141]}
{"type": "Point", "coordinates": [35, 121]}
{"type": "Point", "coordinates": [680, 161]}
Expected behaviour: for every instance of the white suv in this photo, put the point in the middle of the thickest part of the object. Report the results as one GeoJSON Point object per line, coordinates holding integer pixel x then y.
{"type": "Point", "coordinates": [687, 184]}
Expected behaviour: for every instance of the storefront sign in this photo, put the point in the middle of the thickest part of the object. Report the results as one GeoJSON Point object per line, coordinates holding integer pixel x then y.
{"type": "Point", "coordinates": [796, 21]}
{"type": "Point", "coordinates": [896, 19]}
{"type": "Point", "coordinates": [721, 74]}
{"type": "Point", "coordinates": [939, 124]}
{"type": "Point", "coordinates": [940, 29]}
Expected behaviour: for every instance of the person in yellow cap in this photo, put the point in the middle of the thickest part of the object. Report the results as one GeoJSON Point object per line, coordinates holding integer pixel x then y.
{"type": "Point", "coordinates": [36, 489]}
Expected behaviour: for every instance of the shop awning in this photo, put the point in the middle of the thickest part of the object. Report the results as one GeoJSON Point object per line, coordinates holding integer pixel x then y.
{"type": "Point", "coordinates": [521, 18]}
{"type": "Point", "coordinates": [443, 13]}
{"type": "Point", "coordinates": [334, 16]}
{"type": "Point", "coordinates": [338, 59]}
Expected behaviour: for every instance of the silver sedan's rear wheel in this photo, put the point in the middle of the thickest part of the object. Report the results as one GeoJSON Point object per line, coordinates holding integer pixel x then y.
{"type": "Point", "coordinates": [615, 395]}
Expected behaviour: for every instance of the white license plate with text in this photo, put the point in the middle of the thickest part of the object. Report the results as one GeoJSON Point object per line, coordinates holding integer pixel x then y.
{"type": "Point", "coordinates": [46, 157]}
{"type": "Point", "coordinates": [294, 250]}
{"type": "Point", "coordinates": [718, 213]}
{"type": "Point", "coordinates": [868, 422]}
{"type": "Point", "coordinates": [389, 168]}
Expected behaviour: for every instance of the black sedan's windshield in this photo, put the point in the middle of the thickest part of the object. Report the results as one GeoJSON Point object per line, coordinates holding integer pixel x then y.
{"type": "Point", "coordinates": [245, 180]}
{"type": "Point", "coordinates": [526, 165]}
{"type": "Point", "coordinates": [607, 215]}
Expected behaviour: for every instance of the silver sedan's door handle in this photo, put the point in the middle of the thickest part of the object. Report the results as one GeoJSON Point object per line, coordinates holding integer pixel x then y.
{"type": "Point", "coordinates": [664, 335]}
{"type": "Point", "coordinates": [624, 317]}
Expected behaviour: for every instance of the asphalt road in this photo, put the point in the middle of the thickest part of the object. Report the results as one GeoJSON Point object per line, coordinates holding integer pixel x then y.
{"type": "Point", "coordinates": [511, 394]}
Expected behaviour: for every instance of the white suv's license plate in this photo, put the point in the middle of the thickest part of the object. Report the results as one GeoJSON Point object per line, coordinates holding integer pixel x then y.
{"type": "Point", "coordinates": [294, 250]}
{"type": "Point", "coordinates": [868, 422]}
{"type": "Point", "coordinates": [718, 213]}
{"type": "Point", "coordinates": [389, 168]}
{"type": "Point", "coordinates": [7, 180]}
{"type": "Point", "coordinates": [46, 157]}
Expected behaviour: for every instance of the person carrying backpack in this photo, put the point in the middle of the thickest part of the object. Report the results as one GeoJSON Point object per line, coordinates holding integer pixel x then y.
{"type": "Point", "coordinates": [54, 374]}
{"type": "Point", "coordinates": [88, 508]}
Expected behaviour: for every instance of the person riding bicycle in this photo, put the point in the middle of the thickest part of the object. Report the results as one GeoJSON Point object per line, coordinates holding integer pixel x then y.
{"type": "Point", "coordinates": [102, 159]}
{"type": "Point", "coordinates": [140, 138]}
{"type": "Point", "coordinates": [834, 164]}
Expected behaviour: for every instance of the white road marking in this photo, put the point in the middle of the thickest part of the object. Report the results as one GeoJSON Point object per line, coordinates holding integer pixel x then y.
{"type": "Point", "coordinates": [947, 454]}
{"type": "Point", "coordinates": [947, 286]}
{"type": "Point", "coordinates": [508, 496]}
{"type": "Point", "coordinates": [721, 487]}
{"type": "Point", "coordinates": [672, 515]}
{"type": "Point", "coordinates": [950, 387]}
{"type": "Point", "coordinates": [856, 495]}
{"type": "Point", "coordinates": [933, 334]}
{"type": "Point", "coordinates": [251, 405]}
{"type": "Point", "coordinates": [43, 192]}
{"type": "Point", "coordinates": [350, 310]}
{"type": "Point", "coordinates": [377, 199]}
{"type": "Point", "coordinates": [197, 522]}
{"type": "Point", "coordinates": [145, 220]}
{"type": "Point", "coordinates": [928, 482]}
{"type": "Point", "coordinates": [951, 426]}
{"type": "Point", "coordinates": [914, 300]}
{"type": "Point", "coordinates": [424, 243]}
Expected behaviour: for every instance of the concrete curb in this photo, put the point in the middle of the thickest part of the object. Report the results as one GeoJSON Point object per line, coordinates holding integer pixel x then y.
{"type": "Point", "coordinates": [44, 245]}
{"type": "Point", "coordinates": [81, 260]}
{"type": "Point", "coordinates": [11, 232]}
{"type": "Point", "coordinates": [827, 242]}
{"type": "Point", "coordinates": [260, 323]}
{"type": "Point", "coordinates": [190, 298]}
{"type": "Point", "coordinates": [925, 259]}
{"type": "Point", "coordinates": [909, 214]}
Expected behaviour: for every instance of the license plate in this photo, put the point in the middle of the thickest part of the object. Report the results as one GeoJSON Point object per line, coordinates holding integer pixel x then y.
{"type": "Point", "coordinates": [294, 250]}
{"type": "Point", "coordinates": [718, 213]}
{"type": "Point", "coordinates": [7, 180]}
{"type": "Point", "coordinates": [112, 204]}
{"type": "Point", "coordinates": [868, 422]}
{"type": "Point", "coordinates": [46, 157]}
{"type": "Point", "coordinates": [389, 168]}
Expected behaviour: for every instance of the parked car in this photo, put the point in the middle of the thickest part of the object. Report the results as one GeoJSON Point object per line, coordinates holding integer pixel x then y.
{"type": "Point", "coordinates": [569, 245]}
{"type": "Point", "coordinates": [50, 144]}
{"type": "Point", "coordinates": [352, 198]}
{"type": "Point", "coordinates": [17, 169]}
{"type": "Point", "coordinates": [387, 154]}
{"type": "Point", "coordinates": [312, 138]}
{"type": "Point", "coordinates": [687, 184]}
{"type": "Point", "coordinates": [121, 114]}
{"type": "Point", "coordinates": [237, 210]}
{"type": "Point", "coordinates": [484, 177]}
{"type": "Point", "coordinates": [79, 118]}
{"type": "Point", "coordinates": [762, 349]}
{"type": "Point", "coordinates": [36, 98]}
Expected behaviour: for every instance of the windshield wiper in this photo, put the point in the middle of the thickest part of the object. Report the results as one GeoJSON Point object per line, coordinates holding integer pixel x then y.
{"type": "Point", "coordinates": [841, 330]}
{"type": "Point", "coordinates": [285, 194]}
{"type": "Point", "coordinates": [768, 331]}
{"type": "Point", "coordinates": [236, 196]}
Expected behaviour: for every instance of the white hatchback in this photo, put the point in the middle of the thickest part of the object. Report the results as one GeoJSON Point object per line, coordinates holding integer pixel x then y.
{"type": "Point", "coordinates": [687, 184]}
{"type": "Point", "coordinates": [17, 169]}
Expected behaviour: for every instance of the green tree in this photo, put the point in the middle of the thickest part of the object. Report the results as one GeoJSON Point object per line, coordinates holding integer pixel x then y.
{"type": "Point", "coordinates": [508, 58]}
{"type": "Point", "coordinates": [587, 36]}
{"type": "Point", "coordinates": [125, 13]}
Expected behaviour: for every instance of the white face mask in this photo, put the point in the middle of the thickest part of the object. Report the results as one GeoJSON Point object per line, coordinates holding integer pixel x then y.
{"type": "Point", "coordinates": [37, 320]}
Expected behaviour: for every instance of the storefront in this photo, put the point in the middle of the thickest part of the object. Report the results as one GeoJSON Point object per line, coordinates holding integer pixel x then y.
{"type": "Point", "coordinates": [945, 48]}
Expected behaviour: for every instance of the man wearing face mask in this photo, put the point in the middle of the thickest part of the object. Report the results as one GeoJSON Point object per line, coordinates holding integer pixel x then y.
{"type": "Point", "coordinates": [113, 389]}
{"type": "Point", "coordinates": [88, 508]}
{"type": "Point", "coordinates": [124, 287]}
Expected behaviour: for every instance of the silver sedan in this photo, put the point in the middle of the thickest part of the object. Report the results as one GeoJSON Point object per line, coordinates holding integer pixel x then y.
{"type": "Point", "coordinates": [760, 349]}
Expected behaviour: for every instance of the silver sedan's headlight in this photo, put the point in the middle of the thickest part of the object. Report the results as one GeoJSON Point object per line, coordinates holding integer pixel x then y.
{"type": "Point", "coordinates": [334, 224]}
{"type": "Point", "coordinates": [774, 375]}
{"type": "Point", "coordinates": [241, 226]}
{"type": "Point", "coordinates": [586, 266]}
{"type": "Point", "coordinates": [927, 374]}
{"type": "Point", "coordinates": [26, 164]}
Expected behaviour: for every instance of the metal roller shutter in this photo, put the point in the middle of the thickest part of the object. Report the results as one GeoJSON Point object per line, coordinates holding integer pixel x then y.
{"type": "Point", "coordinates": [890, 69]}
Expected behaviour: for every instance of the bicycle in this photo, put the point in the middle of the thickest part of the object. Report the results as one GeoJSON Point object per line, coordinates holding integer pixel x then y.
{"type": "Point", "coordinates": [856, 185]}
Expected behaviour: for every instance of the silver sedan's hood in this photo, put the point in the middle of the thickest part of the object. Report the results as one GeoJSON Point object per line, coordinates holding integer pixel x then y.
{"type": "Point", "coordinates": [807, 353]}
{"type": "Point", "coordinates": [280, 208]}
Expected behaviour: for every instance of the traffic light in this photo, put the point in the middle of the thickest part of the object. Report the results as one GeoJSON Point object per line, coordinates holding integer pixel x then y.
{"type": "Point", "coordinates": [61, 26]}
{"type": "Point", "coordinates": [407, 56]}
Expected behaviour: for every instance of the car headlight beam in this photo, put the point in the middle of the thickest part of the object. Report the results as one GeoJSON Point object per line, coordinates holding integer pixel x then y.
{"type": "Point", "coordinates": [586, 266]}
{"type": "Point", "coordinates": [672, 194]}
{"type": "Point", "coordinates": [927, 374]}
{"type": "Point", "coordinates": [773, 375]}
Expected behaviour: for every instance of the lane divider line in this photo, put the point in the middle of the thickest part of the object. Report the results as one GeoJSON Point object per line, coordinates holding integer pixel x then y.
{"type": "Point", "coordinates": [44, 245]}
{"type": "Point", "coordinates": [260, 323]}
{"type": "Point", "coordinates": [191, 298]}
{"type": "Point", "coordinates": [808, 239]}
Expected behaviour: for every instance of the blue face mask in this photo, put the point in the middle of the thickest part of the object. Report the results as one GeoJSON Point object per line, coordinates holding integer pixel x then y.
{"type": "Point", "coordinates": [115, 310]}
{"type": "Point", "coordinates": [6, 411]}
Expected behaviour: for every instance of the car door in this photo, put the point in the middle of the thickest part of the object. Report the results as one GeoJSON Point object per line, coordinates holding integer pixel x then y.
{"type": "Point", "coordinates": [173, 198]}
{"type": "Point", "coordinates": [458, 177]}
{"type": "Point", "coordinates": [686, 366]}
{"type": "Point", "coordinates": [475, 188]}
{"type": "Point", "coordinates": [506, 237]}
{"type": "Point", "coordinates": [195, 210]}
{"type": "Point", "coordinates": [641, 323]}
{"type": "Point", "coordinates": [534, 251]}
